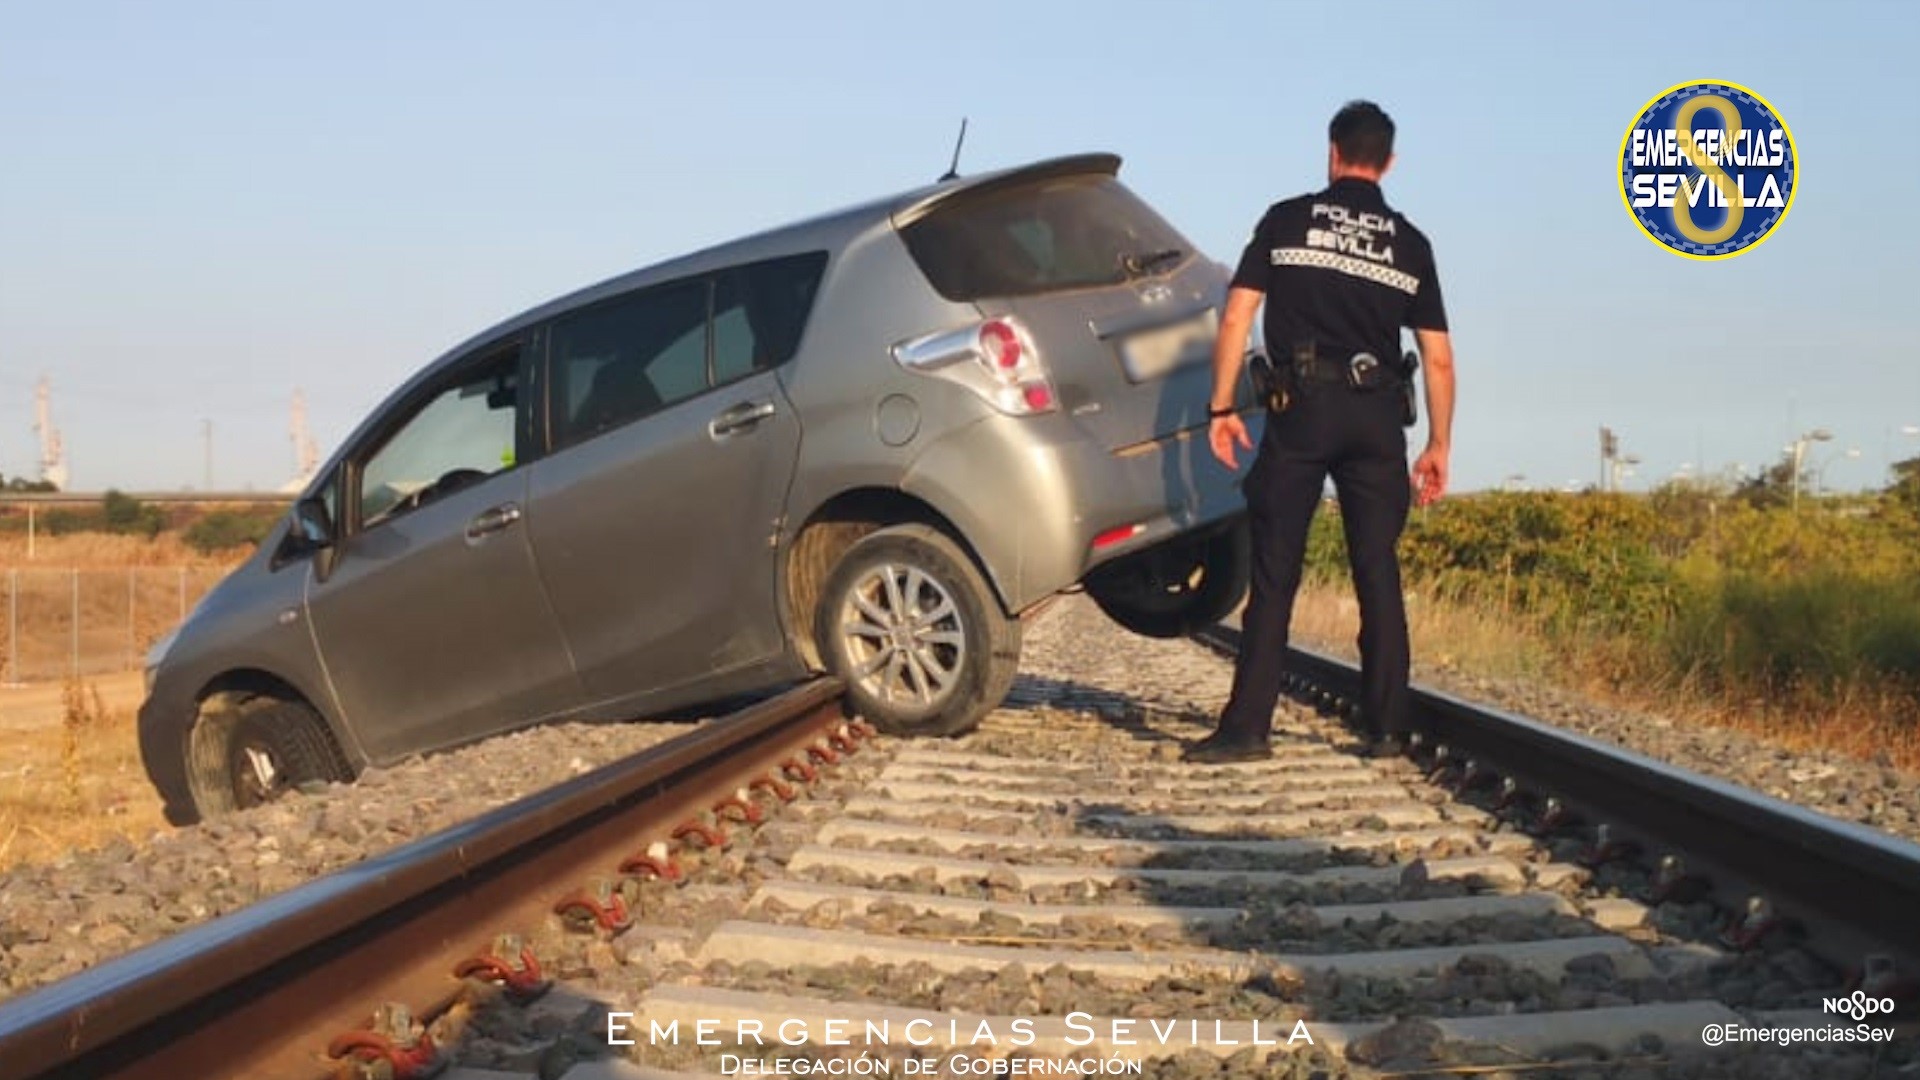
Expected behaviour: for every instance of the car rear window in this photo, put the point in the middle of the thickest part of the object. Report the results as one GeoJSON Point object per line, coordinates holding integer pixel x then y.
{"type": "Point", "coordinates": [1046, 236]}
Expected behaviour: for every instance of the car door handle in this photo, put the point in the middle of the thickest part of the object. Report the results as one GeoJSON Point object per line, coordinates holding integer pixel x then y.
{"type": "Point", "coordinates": [739, 418]}
{"type": "Point", "coordinates": [492, 520]}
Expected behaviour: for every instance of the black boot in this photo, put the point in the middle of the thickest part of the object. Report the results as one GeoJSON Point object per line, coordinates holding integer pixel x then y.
{"type": "Point", "coordinates": [1221, 748]}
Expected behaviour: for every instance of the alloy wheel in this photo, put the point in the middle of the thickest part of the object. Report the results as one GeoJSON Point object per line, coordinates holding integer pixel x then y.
{"type": "Point", "coordinates": [904, 636]}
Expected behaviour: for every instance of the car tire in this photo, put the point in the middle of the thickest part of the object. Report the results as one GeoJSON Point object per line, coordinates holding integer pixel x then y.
{"type": "Point", "coordinates": [1179, 587]}
{"type": "Point", "coordinates": [272, 747]}
{"type": "Point", "coordinates": [909, 624]}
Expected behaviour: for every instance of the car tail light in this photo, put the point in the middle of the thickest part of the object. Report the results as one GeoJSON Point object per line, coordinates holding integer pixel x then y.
{"type": "Point", "coordinates": [1000, 344]}
{"type": "Point", "coordinates": [995, 359]}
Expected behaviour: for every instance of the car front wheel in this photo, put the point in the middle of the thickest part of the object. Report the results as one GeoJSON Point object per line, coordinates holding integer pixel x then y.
{"type": "Point", "coordinates": [911, 626]}
{"type": "Point", "coordinates": [270, 747]}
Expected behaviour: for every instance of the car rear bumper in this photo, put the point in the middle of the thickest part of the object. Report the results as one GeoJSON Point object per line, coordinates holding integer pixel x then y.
{"type": "Point", "coordinates": [1032, 494]}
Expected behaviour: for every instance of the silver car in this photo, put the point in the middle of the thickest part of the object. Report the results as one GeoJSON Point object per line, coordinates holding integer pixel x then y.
{"type": "Point", "coordinates": [868, 443]}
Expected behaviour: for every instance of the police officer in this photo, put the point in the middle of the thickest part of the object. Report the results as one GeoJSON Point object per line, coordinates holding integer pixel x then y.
{"type": "Point", "coordinates": [1341, 272]}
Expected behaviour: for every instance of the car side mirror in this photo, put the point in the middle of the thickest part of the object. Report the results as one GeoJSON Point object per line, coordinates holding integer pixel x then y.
{"type": "Point", "coordinates": [314, 523]}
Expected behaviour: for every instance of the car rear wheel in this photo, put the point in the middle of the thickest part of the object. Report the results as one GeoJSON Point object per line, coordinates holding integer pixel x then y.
{"type": "Point", "coordinates": [269, 748]}
{"type": "Point", "coordinates": [911, 626]}
{"type": "Point", "coordinates": [1179, 587]}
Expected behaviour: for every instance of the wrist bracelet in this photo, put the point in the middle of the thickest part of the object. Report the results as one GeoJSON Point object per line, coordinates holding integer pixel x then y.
{"type": "Point", "coordinates": [1216, 414]}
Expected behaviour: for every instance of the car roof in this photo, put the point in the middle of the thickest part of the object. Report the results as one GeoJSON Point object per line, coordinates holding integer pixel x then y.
{"type": "Point", "coordinates": [828, 231]}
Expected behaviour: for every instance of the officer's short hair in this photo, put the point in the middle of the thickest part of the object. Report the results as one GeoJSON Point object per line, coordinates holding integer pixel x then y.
{"type": "Point", "coordinates": [1364, 134]}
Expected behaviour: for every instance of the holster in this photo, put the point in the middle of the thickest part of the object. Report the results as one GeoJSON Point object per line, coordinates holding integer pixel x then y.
{"type": "Point", "coordinates": [1275, 386]}
{"type": "Point", "coordinates": [1409, 396]}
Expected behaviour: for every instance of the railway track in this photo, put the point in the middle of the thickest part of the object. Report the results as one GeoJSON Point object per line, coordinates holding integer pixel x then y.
{"type": "Point", "coordinates": [1055, 887]}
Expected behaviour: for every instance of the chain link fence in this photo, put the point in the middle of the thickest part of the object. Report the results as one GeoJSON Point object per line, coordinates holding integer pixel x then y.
{"type": "Point", "coordinates": [64, 622]}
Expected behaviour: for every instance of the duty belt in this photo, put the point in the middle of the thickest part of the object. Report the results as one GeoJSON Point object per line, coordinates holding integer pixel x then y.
{"type": "Point", "coordinates": [1315, 364]}
{"type": "Point", "coordinates": [1312, 366]}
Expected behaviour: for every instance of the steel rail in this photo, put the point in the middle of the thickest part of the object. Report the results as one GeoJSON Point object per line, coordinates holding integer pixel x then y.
{"type": "Point", "coordinates": [258, 992]}
{"type": "Point", "coordinates": [1852, 891]}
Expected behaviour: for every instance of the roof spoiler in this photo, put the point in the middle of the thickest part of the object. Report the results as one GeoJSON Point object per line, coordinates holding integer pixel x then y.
{"type": "Point", "coordinates": [988, 183]}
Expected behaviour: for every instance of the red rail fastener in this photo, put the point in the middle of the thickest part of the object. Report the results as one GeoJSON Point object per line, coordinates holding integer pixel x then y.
{"type": "Point", "coordinates": [511, 965]}
{"type": "Point", "coordinates": [823, 754]}
{"type": "Point", "coordinates": [1749, 929]}
{"type": "Point", "coordinates": [395, 1041]}
{"type": "Point", "coordinates": [711, 836]}
{"type": "Point", "coordinates": [799, 770]}
{"type": "Point", "coordinates": [781, 789]}
{"type": "Point", "coordinates": [653, 862]}
{"type": "Point", "coordinates": [1553, 815]}
{"type": "Point", "coordinates": [1510, 794]}
{"type": "Point", "coordinates": [740, 807]}
{"type": "Point", "coordinates": [1605, 849]}
{"type": "Point", "coordinates": [842, 740]}
{"type": "Point", "coordinates": [1674, 882]}
{"type": "Point", "coordinates": [864, 729]}
{"type": "Point", "coordinates": [1475, 775]}
{"type": "Point", "coordinates": [603, 907]}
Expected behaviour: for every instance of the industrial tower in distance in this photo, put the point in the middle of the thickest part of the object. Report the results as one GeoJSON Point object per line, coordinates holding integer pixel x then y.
{"type": "Point", "coordinates": [53, 456]}
{"type": "Point", "coordinates": [306, 453]}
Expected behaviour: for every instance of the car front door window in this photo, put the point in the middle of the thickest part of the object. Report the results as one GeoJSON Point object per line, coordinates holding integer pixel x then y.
{"type": "Point", "coordinates": [461, 436]}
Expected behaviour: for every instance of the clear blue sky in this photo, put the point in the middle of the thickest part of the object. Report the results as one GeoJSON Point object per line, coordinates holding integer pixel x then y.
{"type": "Point", "coordinates": [206, 205]}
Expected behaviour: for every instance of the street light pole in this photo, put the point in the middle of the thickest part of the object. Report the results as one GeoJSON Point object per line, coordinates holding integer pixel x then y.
{"type": "Point", "coordinates": [1799, 449]}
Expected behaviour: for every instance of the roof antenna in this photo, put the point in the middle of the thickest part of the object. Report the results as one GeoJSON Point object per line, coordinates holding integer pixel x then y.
{"type": "Point", "coordinates": [953, 171]}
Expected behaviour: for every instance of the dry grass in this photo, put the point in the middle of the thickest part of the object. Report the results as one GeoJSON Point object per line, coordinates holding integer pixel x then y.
{"type": "Point", "coordinates": [1862, 722]}
{"type": "Point", "coordinates": [75, 785]}
{"type": "Point", "coordinates": [123, 592]}
{"type": "Point", "coordinates": [99, 550]}
{"type": "Point", "coordinates": [1446, 638]}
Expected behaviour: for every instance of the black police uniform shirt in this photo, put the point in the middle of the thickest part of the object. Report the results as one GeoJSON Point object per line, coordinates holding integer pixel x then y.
{"type": "Point", "coordinates": [1343, 270]}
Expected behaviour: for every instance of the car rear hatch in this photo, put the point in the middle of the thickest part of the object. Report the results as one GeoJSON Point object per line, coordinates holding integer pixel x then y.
{"type": "Point", "coordinates": [1121, 309]}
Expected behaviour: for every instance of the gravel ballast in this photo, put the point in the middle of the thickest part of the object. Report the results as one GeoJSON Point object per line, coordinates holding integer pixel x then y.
{"type": "Point", "coordinates": [1091, 696]}
{"type": "Point", "coordinates": [60, 917]}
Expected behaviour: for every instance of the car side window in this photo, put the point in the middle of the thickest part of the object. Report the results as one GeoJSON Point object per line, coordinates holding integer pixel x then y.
{"type": "Point", "coordinates": [759, 311]}
{"type": "Point", "coordinates": [734, 353]}
{"type": "Point", "coordinates": [460, 436]}
{"type": "Point", "coordinates": [621, 360]}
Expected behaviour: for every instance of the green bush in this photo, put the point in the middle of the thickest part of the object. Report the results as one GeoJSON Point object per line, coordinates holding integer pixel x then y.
{"type": "Point", "coordinates": [1821, 632]}
{"type": "Point", "coordinates": [1570, 560]}
{"type": "Point", "coordinates": [1685, 583]}
{"type": "Point", "coordinates": [63, 522]}
{"type": "Point", "coordinates": [122, 513]}
{"type": "Point", "coordinates": [224, 529]}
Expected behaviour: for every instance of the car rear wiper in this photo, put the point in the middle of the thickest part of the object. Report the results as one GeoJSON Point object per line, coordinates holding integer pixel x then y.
{"type": "Point", "coordinates": [1142, 265]}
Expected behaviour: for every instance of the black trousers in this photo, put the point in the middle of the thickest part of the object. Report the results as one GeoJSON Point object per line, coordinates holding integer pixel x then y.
{"type": "Point", "coordinates": [1356, 438]}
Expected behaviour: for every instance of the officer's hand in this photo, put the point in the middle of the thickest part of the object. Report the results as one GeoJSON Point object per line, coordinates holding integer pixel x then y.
{"type": "Point", "coordinates": [1430, 475]}
{"type": "Point", "coordinates": [1222, 433]}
